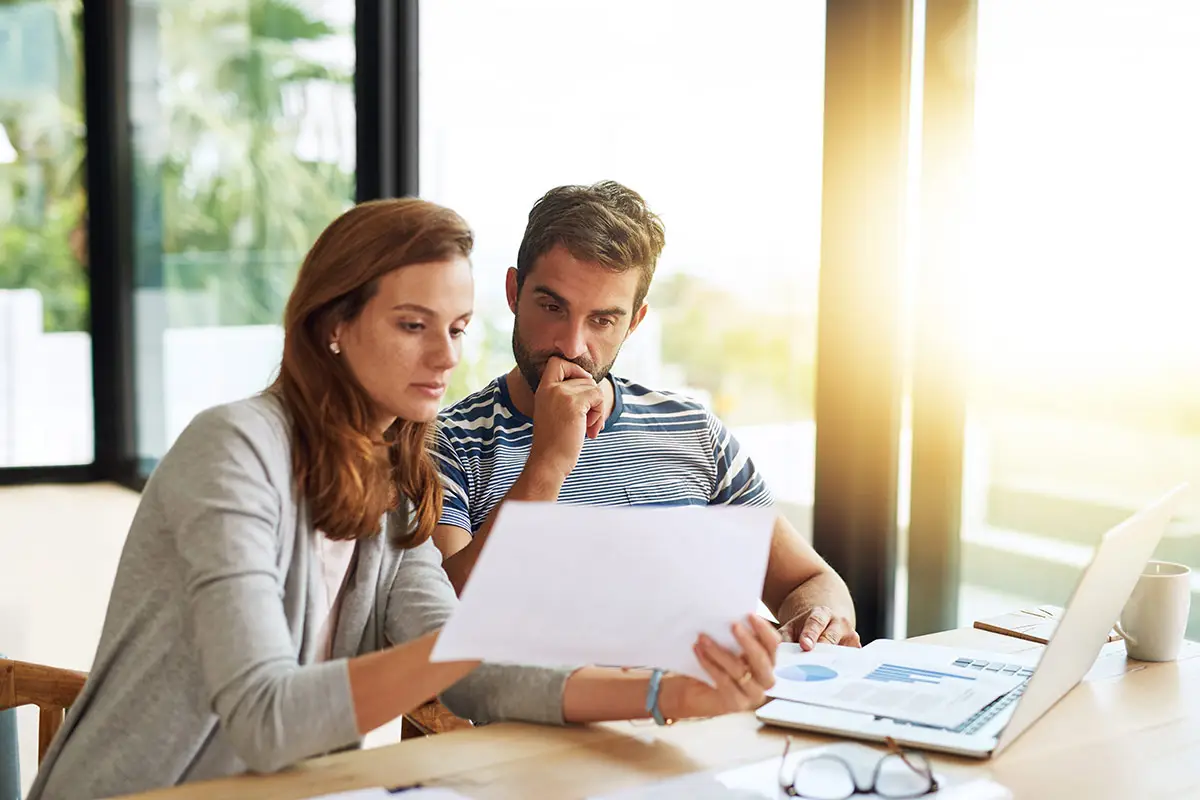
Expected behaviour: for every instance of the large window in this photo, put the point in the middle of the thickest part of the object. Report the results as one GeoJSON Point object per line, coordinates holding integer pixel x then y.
{"type": "Point", "coordinates": [45, 346]}
{"type": "Point", "coordinates": [716, 119]}
{"type": "Point", "coordinates": [1084, 290]}
{"type": "Point", "coordinates": [243, 137]}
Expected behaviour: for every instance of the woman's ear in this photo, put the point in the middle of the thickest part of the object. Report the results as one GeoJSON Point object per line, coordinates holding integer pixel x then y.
{"type": "Point", "coordinates": [334, 343]}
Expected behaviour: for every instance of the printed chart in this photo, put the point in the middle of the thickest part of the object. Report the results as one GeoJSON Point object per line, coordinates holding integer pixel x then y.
{"type": "Point", "coordinates": [806, 673]}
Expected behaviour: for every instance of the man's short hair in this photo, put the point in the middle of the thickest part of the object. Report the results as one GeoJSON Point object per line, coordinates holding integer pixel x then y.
{"type": "Point", "coordinates": [606, 223]}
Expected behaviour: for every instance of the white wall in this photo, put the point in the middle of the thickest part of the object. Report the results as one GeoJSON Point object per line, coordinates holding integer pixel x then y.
{"type": "Point", "coordinates": [46, 381]}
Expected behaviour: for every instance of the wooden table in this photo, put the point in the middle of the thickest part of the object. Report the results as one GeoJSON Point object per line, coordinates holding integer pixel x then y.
{"type": "Point", "coordinates": [1130, 730]}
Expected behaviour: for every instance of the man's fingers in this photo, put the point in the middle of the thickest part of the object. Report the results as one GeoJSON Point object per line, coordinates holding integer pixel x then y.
{"type": "Point", "coordinates": [554, 371]}
{"type": "Point", "coordinates": [589, 400]}
{"type": "Point", "coordinates": [595, 422]}
{"type": "Point", "coordinates": [571, 371]}
{"type": "Point", "coordinates": [814, 626]}
{"type": "Point", "coordinates": [558, 369]}
{"type": "Point", "coordinates": [834, 632]}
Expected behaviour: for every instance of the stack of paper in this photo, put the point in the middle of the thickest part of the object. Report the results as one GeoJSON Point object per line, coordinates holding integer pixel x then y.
{"type": "Point", "coordinates": [874, 681]}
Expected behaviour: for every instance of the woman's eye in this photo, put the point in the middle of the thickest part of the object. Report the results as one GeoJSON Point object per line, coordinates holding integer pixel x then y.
{"type": "Point", "coordinates": [458, 333]}
{"type": "Point", "coordinates": [412, 327]}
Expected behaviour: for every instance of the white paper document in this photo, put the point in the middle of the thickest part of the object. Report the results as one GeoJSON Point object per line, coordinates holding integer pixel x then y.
{"type": "Point", "coordinates": [876, 681]}
{"type": "Point", "coordinates": [761, 780]}
{"type": "Point", "coordinates": [560, 585]}
{"type": "Point", "coordinates": [399, 793]}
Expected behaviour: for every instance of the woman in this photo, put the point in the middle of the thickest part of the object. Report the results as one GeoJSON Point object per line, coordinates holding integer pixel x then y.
{"type": "Point", "coordinates": [278, 595]}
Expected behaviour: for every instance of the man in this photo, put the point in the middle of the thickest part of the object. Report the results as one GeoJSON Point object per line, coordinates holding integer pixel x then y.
{"type": "Point", "coordinates": [559, 427]}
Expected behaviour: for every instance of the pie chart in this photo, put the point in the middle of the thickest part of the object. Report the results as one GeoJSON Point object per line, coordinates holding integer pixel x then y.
{"type": "Point", "coordinates": [805, 673]}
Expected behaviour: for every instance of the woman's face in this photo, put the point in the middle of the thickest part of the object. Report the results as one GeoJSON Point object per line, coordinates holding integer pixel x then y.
{"type": "Point", "coordinates": [408, 338]}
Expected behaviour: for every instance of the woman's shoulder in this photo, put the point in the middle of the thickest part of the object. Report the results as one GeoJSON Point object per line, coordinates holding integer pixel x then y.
{"type": "Point", "coordinates": [255, 428]}
{"type": "Point", "coordinates": [261, 414]}
{"type": "Point", "coordinates": [260, 417]}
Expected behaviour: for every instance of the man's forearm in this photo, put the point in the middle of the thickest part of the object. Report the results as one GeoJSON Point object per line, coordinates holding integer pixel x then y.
{"type": "Point", "coordinates": [826, 588]}
{"type": "Point", "coordinates": [533, 484]}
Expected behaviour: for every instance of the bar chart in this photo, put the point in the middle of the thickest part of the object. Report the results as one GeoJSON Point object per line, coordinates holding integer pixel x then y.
{"type": "Point", "coordinates": [897, 673]}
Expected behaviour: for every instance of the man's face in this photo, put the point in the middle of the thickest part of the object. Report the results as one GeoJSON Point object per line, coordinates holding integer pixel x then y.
{"type": "Point", "coordinates": [576, 310]}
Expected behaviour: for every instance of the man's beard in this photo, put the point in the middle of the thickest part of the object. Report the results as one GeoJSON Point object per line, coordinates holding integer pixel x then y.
{"type": "Point", "coordinates": [531, 365]}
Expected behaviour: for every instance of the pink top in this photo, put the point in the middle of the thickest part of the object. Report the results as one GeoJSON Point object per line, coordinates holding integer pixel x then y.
{"type": "Point", "coordinates": [334, 559]}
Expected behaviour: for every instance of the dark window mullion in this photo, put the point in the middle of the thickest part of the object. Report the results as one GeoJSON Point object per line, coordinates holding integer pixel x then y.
{"type": "Point", "coordinates": [110, 235]}
{"type": "Point", "coordinates": [386, 80]}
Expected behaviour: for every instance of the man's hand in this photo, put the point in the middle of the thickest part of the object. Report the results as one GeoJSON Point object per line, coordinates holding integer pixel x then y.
{"type": "Point", "coordinates": [820, 624]}
{"type": "Point", "coordinates": [568, 406]}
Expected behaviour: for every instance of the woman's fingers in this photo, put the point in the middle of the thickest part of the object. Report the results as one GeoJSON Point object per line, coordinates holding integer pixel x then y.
{"type": "Point", "coordinates": [726, 687]}
{"type": "Point", "coordinates": [767, 634]}
{"type": "Point", "coordinates": [733, 665]}
{"type": "Point", "coordinates": [757, 656]}
{"type": "Point", "coordinates": [741, 680]}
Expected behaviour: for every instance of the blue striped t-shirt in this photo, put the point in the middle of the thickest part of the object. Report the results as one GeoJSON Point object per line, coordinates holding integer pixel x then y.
{"type": "Point", "coordinates": [656, 448]}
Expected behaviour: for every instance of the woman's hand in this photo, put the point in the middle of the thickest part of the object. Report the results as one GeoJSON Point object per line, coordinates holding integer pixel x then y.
{"type": "Point", "coordinates": [741, 680]}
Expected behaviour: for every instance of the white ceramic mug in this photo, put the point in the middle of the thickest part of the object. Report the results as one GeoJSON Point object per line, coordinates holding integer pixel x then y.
{"type": "Point", "coordinates": [1156, 616]}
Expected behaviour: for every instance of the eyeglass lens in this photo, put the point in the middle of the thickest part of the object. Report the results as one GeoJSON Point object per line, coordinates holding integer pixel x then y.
{"type": "Point", "coordinates": [829, 778]}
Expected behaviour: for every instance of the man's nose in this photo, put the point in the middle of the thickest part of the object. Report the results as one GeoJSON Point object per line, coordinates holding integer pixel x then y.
{"type": "Point", "coordinates": [570, 341]}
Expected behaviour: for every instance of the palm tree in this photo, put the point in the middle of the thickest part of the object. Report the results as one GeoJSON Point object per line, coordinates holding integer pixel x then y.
{"type": "Point", "coordinates": [42, 215]}
{"type": "Point", "coordinates": [233, 180]}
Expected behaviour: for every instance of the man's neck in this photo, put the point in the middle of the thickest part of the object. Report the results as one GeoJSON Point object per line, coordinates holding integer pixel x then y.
{"type": "Point", "coordinates": [523, 398]}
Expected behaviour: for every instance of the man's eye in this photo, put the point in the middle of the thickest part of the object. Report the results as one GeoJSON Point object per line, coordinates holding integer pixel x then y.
{"type": "Point", "coordinates": [605, 322]}
{"type": "Point", "coordinates": [552, 308]}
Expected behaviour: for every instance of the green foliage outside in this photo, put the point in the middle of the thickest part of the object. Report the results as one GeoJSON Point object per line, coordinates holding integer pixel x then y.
{"type": "Point", "coordinates": [755, 358]}
{"type": "Point", "coordinates": [223, 204]}
{"type": "Point", "coordinates": [41, 192]}
{"type": "Point", "coordinates": [224, 208]}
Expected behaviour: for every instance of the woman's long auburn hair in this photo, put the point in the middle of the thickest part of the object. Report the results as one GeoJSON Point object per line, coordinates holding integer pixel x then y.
{"type": "Point", "coordinates": [349, 476]}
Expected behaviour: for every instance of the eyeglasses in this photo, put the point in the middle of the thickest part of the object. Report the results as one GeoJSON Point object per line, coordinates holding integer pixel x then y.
{"type": "Point", "coordinates": [899, 774]}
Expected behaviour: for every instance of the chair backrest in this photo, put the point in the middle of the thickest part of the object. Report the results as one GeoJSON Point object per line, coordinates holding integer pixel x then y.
{"type": "Point", "coordinates": [429, 719]}
{"type": "Point", "coordinates": [51, 689]}
{"type": "Point", "coordinates": [10, 768]}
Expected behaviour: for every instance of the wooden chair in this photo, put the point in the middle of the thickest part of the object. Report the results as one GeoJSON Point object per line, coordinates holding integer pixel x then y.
{"type": "Point", "coordinates": [51, 689]}
{"type": "Point", "coordinates": [429, 719]}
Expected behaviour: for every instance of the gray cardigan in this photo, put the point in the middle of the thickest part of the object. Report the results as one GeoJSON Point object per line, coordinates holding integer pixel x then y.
{"type": "Point", "coordinates": [207, 663]}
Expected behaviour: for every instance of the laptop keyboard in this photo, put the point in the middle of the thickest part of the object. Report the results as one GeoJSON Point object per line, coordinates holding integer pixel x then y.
{"type": "Point", "coordinates": [976, 722]}
{"type": "Point", "coordinates": [994, 666]}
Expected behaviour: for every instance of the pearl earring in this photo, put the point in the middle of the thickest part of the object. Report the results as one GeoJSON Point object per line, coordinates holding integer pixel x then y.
{"type": "Point", "coordinates": [335, 348]}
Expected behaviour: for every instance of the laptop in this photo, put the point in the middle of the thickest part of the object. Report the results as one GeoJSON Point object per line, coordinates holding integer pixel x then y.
{"type": "Point", "coordinates": [1095, 604]}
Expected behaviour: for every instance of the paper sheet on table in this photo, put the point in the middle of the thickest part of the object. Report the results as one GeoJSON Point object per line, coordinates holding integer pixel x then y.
{"type": "Point", "coordinates": [560, 585]}
{"type": "Point", "coordinates": [760, 780]}
{"type": "Point", "coordinates": [399, 793]}
{"type": "Point", "coordinates": [905, 688]}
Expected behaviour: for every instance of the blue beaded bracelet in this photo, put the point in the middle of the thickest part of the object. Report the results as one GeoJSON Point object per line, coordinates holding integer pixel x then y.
{"type": "Point", "coordinates": [652, 698]}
